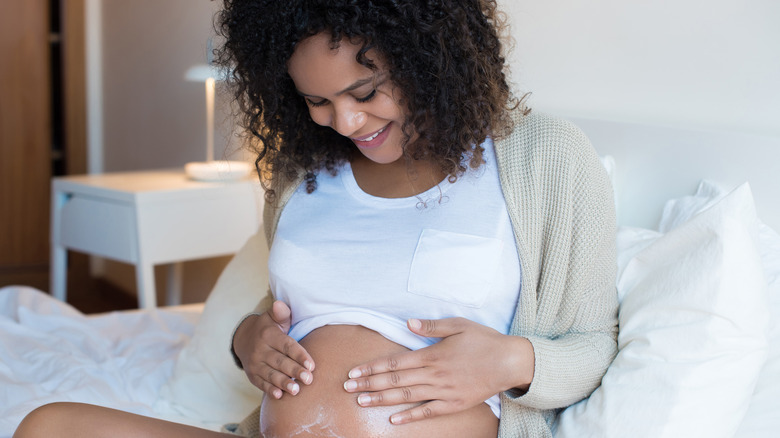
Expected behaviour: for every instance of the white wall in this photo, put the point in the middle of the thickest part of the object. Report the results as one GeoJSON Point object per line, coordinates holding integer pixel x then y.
{"type": "Point", "coordinates": [152, 117]}
{"type": "Point", "coordinates": [693, 63]}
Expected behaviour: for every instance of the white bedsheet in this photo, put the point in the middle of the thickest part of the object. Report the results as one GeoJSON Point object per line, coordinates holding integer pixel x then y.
{"type": "Point", "coordinates": [51, 352]}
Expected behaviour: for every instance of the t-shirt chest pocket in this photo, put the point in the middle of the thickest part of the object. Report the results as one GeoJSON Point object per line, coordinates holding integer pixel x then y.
{"type": "Point", "coordinates": [454, 267]}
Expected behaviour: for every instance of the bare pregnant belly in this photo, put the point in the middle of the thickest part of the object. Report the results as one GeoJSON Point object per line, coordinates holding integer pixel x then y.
{"type": "Point", "coordinates": [325, 409]}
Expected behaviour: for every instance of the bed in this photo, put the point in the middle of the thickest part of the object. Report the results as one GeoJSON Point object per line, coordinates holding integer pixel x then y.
{"type": "Point", "coordinates": [699, 283]}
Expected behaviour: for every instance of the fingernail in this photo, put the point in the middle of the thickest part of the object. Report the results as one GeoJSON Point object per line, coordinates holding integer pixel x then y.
{"type": "Point", "coordinates": [309, 365]}
{"type": "Point", "coordinates": [306, 377]}
{"type": "Point", "coordinates": [354, 374]}
{"type": "Point", "coordinates": [293, 388]}
{"type": "Point", "coordinates": [364, 399]}
{"type": "Point", "coordinates": [277, 393]}
{"type": "Point", "coordinates": [395, 419]}
{"type": "Point", "coordinates": [350, 385]}
{"type": "Point", "coordinates": [415, 324]}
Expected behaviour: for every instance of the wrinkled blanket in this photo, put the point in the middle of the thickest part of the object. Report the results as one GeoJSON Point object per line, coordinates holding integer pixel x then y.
{"type": "Point", "coordinates": [50, 352]}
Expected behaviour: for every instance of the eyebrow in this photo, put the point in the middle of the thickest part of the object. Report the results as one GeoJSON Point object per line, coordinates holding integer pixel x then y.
{"type": "Point", "coordinates": [357, 84]}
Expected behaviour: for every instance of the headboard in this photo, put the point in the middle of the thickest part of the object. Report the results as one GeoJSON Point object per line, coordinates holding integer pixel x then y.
{"type": "Point", "coordinates": [655, 163]}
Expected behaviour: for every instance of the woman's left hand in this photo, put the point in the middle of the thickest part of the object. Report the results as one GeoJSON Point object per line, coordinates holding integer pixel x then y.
{"type": "Point", "coordinates": [469, 365]}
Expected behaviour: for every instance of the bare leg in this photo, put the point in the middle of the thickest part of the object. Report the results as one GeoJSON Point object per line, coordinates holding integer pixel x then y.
{"type": "Point", "coordinates": [90, 421]}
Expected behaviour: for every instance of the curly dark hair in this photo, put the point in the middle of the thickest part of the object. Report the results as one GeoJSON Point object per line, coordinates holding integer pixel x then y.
{"type": "Point", "coordinates": [445, 57]}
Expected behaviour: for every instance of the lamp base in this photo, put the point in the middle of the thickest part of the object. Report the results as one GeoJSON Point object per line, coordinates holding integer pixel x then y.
{"type": "Point", "coordinates": [217, 170]}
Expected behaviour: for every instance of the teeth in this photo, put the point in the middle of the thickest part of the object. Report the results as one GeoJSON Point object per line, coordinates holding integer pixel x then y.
{"type": "Point", "coordinates": [375, 134]}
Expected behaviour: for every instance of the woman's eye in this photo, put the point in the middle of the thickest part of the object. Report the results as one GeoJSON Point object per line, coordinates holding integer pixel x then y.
{"type": "Point", "coordinates": [367, 98]}
{"type": "Point", "coordinates": [317, 103]}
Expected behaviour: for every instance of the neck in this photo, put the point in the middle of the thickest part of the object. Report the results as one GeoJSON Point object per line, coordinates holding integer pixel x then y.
{"type": "Point", "coordinates": [399, 179]}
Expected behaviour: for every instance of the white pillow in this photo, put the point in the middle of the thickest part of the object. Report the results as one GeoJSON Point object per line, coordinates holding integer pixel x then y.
{"type": "Point", "coordinates": [206, 385]}
{"type": "Point", "coordinates": [762, 418]}
{"type": "Point", "coordinates": [763, 415]}
{"type": "Point", "coordinates": [693, 322]}
{"type": "Point", "coordinates": [608, 161]}
{"type": "Point", "coordinates": [680, 210]}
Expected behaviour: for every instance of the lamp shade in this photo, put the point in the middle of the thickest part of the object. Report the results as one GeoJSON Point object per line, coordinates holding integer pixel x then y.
{"type": "Point", "coordinates": [201, 72]}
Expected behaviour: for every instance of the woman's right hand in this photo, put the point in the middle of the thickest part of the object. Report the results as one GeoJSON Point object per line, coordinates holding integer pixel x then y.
{"type": "Point", "coordinates": [273, 361]}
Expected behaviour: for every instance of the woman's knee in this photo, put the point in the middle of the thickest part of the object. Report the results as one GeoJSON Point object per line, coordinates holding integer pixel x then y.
{"type": "Point", "coordinates": [49, 420]}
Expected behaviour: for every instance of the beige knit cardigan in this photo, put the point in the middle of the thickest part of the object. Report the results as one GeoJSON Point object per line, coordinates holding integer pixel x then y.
{"type": "Point", "coordinates": [560, 202]}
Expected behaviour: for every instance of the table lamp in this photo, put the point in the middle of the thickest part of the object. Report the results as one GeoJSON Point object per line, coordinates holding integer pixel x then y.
{"type": "Point", "coordinates": [211, 169]}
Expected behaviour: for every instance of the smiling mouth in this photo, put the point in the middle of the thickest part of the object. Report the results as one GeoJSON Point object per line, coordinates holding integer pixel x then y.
{"type": "Point", "coordinates": [372, 136]}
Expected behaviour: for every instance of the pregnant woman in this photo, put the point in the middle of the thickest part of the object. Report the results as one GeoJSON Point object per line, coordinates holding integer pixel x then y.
{"type": "Point", "coordinates": [442, 261]}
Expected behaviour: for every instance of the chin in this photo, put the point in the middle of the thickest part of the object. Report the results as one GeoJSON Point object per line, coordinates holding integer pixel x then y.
{"type": "Point", "coordinates": [380, 158]}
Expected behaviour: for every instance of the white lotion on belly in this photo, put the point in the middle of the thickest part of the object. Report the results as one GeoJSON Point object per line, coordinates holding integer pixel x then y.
{"type": "Point", "coordinates": [322, 426]}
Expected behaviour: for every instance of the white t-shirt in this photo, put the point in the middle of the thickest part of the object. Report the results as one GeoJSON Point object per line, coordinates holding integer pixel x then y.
{"type": "Point", "coordinates": [342, 256]}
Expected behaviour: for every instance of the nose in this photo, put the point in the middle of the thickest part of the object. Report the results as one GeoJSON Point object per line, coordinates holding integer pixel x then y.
{"type": "Point", "coordinates": [348, 120]}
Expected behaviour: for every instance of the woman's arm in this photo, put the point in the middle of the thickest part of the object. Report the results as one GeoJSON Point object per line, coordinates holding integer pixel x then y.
{"type": "Point", "coordinates": [563, 204]}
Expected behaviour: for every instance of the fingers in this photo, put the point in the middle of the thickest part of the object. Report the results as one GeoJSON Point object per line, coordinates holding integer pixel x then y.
{"type": "Point", "coordinates": [288, 347]}
{"type": "Point", "coordinates": [397, 396]}
{"type": "Point", "coordinates": [277, 368]}
{"type": "Point", "coordinates": [288, 369]}
{"type": "Point", "coordinates": [282, 353]}
{"type": "Point", "coordinates": [281, 314]}
{"type": "Point", "coordinates": [401, 361]}
{"type": "Point", "coordinates": [437, 328]}
{"type": "Point", "coordinates": [265, 385]}
{"type": "Point", "coordinates": [389, 380]}
{"type": "Point", "coordinates": [423, 412]}
{"type": "Point", "coordinates": [273, 361]}
{"type": "Point", "coordinates": [427, 410]}
{"type": "Point", "coordinates": [276, 379]}
{"type": "Point", "coordinates": [448, 376]}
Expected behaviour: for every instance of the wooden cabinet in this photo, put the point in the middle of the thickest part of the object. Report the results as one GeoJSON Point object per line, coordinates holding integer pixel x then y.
{"type": "Point", "coordinates": [42, 69]}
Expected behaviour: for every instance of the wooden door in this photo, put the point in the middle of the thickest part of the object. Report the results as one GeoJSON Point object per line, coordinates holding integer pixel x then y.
{"type": "Point", "coordinates": [26, 103]}
{"type": "Point", "coordinates": [25, 135]}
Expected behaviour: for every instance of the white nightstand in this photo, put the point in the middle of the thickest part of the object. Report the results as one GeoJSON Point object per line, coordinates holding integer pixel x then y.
{"type": "Point", "coordinates": [149, 218]}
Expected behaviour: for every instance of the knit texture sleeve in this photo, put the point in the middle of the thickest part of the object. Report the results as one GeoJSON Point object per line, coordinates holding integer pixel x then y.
{"type": "Point", "coordinates": [271, 213]}
{"type": "Point", "coordinates": [272, 210]}
{"type": "Point", "coordinates": [562, 208]}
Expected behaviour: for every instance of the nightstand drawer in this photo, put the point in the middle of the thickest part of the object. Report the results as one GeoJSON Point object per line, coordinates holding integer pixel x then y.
{"type": "Point", "coordinates": [196, 228]}
{"type": "Point", "coordinates": [98, 227]}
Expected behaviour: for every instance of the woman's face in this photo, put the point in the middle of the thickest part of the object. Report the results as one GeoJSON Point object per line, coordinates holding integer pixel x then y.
{"type": "Point", "coordinates": [352, 99]}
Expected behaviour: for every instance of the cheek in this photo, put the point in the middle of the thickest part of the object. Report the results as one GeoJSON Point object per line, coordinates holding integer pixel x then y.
{"type": "Point", "coordinates": [320, 116]}
{"type": "Point", "coordinates": [393, 110]}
